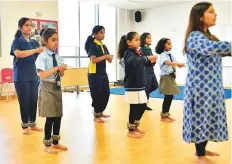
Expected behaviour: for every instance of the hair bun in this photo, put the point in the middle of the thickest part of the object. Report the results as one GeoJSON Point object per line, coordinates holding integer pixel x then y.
{"type": "Point", "coordinates": [41, 32]}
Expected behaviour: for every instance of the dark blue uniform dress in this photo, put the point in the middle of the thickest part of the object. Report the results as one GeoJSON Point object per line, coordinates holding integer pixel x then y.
{"type": "Point", "coordinates": [98, 79]}
{"type": "Point", "coordinates": [151, 81]}
{"type": "Point", "coordinates": [26, 80]}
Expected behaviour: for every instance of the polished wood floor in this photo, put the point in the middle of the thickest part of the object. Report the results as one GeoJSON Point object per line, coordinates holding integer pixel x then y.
{"type": "Point", "coordinates": [91, 143]}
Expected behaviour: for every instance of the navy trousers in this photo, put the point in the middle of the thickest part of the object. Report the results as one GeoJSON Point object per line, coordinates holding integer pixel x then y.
{"type": "Point", "coordinates": [99, 90]}
{"type": "Point", "coordinates": [27, 92]}
{"type": "Point", "coordinates": [151, 84]}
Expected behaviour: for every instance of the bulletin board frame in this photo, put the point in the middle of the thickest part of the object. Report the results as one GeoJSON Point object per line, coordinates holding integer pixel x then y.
{"type": "Point", "coordinates": [39, 24]}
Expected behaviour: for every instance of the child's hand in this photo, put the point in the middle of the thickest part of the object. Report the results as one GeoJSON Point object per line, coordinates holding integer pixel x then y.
{"type": "Point", "coordinates": [180, 65]}
{"type": "Point", "coordinates": [156, 57]}
{"type": "Point", "coordinates": [109, 57]}
{"type": "Point", "coordinates": [62, 68]}
{"type": "Point", "coordinates": [152, 58]}
{"type": "Point", "coordinates": [39, 50]}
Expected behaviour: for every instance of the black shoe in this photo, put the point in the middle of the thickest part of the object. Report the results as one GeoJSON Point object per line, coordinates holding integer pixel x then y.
{"type": "Point", "coordinates": [147, 108]}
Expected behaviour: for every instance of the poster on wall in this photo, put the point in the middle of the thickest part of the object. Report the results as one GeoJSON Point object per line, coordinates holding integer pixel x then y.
{"type": "Point", "coordinates": [39, 24]}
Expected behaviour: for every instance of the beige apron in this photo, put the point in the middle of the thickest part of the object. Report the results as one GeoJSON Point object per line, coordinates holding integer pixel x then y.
{"type": "Point", "coordinates": [167, 85]}
{"type": "Point", "coordinates": [49, 100]}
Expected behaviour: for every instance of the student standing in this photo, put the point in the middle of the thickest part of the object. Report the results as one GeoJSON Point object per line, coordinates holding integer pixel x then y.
{"type": "Point", "coordinates": [151, 81]}
{"type": "Point", "coordinates": [97, 75]}
{"type": "Point", "coordinates": [134, 81]}
{"type": "Point", "coordinates": [50, 70]}
{"type": "Point", "coordinates": [167, 85]}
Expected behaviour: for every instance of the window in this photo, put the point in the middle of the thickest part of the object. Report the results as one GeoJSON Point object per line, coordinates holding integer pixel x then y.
{"type": "Point", "coordinates": [71, 62]}
{"type": "Point", "coordinates": [69, 33]}
{"type": "Point", "coordinates": [87, 22]}
{"type": "Point", "coordinates": [73, 32]}
{"type": "Point", "coordinates": [84, 62]}
{"type": "Point", "coordinates": [107, 18]}
{"type": "Point", "coordinates": [67, 51]}
{"type": "Point", "coordinates": [68, 23]}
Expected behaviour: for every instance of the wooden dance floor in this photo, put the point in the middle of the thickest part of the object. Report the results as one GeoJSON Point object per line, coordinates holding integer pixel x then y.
{"type": "Point", "coordinates": [91, 143]}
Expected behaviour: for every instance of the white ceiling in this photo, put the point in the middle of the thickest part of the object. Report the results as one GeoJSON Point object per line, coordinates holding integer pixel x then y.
{"type": "Point", "coordinates": [137, 4]}
{"type": "Point", "coordinates": [125, 4]}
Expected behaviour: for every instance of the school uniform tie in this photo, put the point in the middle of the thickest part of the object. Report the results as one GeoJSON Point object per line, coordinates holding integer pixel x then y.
{"type": "Point", "coordinates": [174, 69]}
{"type": "Point", "coordinates": [57, 75]}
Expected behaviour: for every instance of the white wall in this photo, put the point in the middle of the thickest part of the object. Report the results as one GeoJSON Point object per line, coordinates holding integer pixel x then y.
{"type": "Point", "coordinates": [123, 27]}
{"type": "Point", "coordinates": [11, 12]}
{"type": "Point", "coordinates": [171, 22]}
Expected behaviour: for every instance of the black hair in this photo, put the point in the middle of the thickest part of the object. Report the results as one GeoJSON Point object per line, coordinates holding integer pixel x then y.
{"type": "Point", "coordinates": [46, 34]}
{"type": "Point", "coordinates": [123, 43]}
{"type": "Point", "coordinates": [161, 45]}
{"type": "Point", "coordinates": [90, 38]}
{"type": "Point", "coordinates": [21, 22]}
{"type": "Point", "coordinates": [41, 32]}
{"type": "Point", "coordinates": [143, 38]}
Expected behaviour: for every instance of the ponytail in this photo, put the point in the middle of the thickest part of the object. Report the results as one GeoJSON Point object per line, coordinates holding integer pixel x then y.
{"type": "Point", "coordinates": [88, 42]}
{"type": "Point", "coordinates": [18, 34]}
{"type": "Point", "coordinates": [41, 32]}
{"type": "Point", "coordinates": [123, 43]}
{"type": "Point", "coordinates": [122, 46]}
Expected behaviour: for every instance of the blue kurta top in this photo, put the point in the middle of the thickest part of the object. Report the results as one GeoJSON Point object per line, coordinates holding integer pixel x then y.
{"type": "Point", "coordinates": [204, 104]}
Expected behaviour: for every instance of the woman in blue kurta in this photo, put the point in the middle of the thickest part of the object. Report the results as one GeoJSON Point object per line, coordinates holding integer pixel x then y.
{"type": "Point", "coordinates": [25, 51]}
{"type": "Point", "coordinates": [97, 76]}
{"type": "Point", "coordinates": [204, 105]}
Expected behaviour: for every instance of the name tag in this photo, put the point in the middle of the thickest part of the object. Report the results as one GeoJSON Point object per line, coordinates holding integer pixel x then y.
{"type": "Point", "coordinates": [92, 67]}
{"type": "Point", "coordinates": [58, 83]}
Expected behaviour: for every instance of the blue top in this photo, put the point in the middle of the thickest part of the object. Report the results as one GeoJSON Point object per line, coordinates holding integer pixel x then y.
{"type": "Point", "coordinates": [164, 68]}
{"type": "Point", "coordinates": [24, 68]}
{"type": "Point", "coordinates": [134, 70]}
{"type": "Point", "coordinates": [95, 50]}
{"type": "Point", "coordinates": [44, 62]}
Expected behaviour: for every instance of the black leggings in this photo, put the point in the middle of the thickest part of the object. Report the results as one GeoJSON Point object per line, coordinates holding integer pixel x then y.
{"type": "Point", "coordinates": [136, 112]}
{"type": "Point", "coordinates": [167, 103]}
{"type": "Point", "coordinates": [52, 123]}
{"type": "Point", "coordinates": [200, 148]}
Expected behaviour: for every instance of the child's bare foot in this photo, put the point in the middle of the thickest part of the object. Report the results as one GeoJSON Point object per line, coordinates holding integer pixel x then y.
{"type": "Point", "coordinates": [133, 134]}
{"type": "Point", "coordinates": [166, 119]}
{"type": "Point", "coordinates": [139, 131]}
{"type": "Point", "coordinates": [26, 131]}
{"type": "Point", "coordinates": [61, 147]}
{"type": "Point", "coordinates": [50, 150]}
{"type": "Point", "coordinates": [98, 120]}
{"type": "Point", "coordinates": [105, 116]}
{"type": "Point", "coordinates": [36, 129]}
{"type": "Point", "coordinates": [202, 160]}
